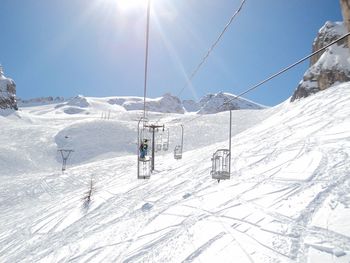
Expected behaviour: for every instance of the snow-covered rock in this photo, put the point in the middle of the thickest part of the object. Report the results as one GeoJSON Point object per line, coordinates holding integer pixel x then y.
{"type": "Point", "coordinates": [166, 104]}
{"type": "Point", "coordinates": [39, 101]}
{"type": "Point", "coordinates": [190, 105]}
{"type": "Point", "coordinates": [329, 67]}
{"type": "Point", "coordinates": [7, 92]}
{"type": "Point", "coordinates": [79, 101]}
{"type": "Point", "coordinates": [214, 103]}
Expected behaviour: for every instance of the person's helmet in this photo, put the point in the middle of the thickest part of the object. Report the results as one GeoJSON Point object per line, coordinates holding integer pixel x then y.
{"type": "Point", "coordinates": [146, 140]}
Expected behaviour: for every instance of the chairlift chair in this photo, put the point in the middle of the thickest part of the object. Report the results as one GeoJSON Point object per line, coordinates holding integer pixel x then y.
{"type": "Point", "coordinates": [166, 142]}
{"type": "Point", "coordinates": [158, 146]}
{"type": "Point", "coordinates": [143, 164]}
{"type": "Point", "coordinates": [221, 165]}
{"type": "Point", "coordinates": [144, 167]}
{"type": "Point", "coordinates": [165, 146]}
{"type": "Point", "coordinates": [177, 152]}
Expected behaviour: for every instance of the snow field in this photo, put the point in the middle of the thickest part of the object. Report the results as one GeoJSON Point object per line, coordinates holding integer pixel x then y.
{"type": "Point", "coordinates": [287, 201]}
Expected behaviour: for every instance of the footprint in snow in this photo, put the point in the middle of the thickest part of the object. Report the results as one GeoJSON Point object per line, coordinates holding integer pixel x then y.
{"type": "Point", "coordinates": [146, 207]}
{"type": "Point", "coordinates": [186, 196]}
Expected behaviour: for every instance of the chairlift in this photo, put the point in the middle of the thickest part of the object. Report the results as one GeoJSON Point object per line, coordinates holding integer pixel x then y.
{"type": "Point", "coordinates": [166, 142]}
{"type": "Point", "coordinates": [143, 164]}
{"type": "Point", "coordinates": [177, 152]}
{"type": "Point", "coordinates": [221, 161]}
{"type": "Point", "coordinates": [158, 143]}
{"type": "Point", "coordinates": [144, 168]}
{"type": "Point", "coordinates": [178, 148]}
{"type": "Point", "coordinates": [221, 165]}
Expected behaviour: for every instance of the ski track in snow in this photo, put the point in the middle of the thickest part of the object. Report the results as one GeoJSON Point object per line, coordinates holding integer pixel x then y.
{"type": "Point", "coordinates": [290, 166]}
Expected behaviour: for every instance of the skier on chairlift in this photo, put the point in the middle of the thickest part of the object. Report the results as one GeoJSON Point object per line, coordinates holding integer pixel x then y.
{"type": "Point", "coordinates": [143, 149]}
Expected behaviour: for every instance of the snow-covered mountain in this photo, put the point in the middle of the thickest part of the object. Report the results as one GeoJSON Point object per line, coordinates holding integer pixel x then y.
{"type": "Point", "coordinates": [214, 103]}
{"type": "Point", "coordinates": [327, 68]}
{"type": "Point", "coordinates": [287, 201]}
{"type": "Point", "coordinates": [165, 104]}
{"type": "Point", "coordinates": [39, 101]}
{"type": "Point", "coordinates": [211, 103]}
{"type": "Point", "coordinates": [7, 92]}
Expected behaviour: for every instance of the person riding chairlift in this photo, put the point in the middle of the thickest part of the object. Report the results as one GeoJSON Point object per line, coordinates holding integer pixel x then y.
{"type": "Point", "coordinates": [143, 149]}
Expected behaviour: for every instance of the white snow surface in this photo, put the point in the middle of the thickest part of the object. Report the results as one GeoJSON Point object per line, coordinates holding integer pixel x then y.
{"type": "Point", "coordinates": [288, 199]}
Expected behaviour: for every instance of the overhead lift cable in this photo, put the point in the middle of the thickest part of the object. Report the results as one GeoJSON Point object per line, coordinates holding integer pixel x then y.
{"type": "Point", "coordinates": [146, 60]}
{"type": "Point", "coordinates": [212, 47]}
{"type": "Point", "coordinates": [143, 164]}
{"type": "Point", "coordinates": [276, 74]}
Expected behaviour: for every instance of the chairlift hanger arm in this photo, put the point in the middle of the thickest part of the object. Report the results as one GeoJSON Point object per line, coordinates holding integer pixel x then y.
{"type": "Point", "coordinates": [154, 126]}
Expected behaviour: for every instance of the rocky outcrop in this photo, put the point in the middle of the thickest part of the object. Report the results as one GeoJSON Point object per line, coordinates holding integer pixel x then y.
{"type": "Point", "coordinates": [327, 34]}
{"type": "Point", "coordinates": [191, 105]}
{"type": "Point", "coordinates": [39, 101]}
{"type": "Point", "coordinates": [345, 8]}
{"type": "Point", "coordinates": [7, 92]}
{"type": "Point", "coordinates": [327, 68]}
{"type": "Point", "coordinates": [79, 101]}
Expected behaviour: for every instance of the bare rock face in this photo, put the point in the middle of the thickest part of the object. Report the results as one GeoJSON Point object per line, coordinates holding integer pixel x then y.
{"type": "Point", "coordinates": [327, 68]}
{"type": "Point", "coordinates": [7, 92]}
{"type": "Point", "coordinates": [345, 9]}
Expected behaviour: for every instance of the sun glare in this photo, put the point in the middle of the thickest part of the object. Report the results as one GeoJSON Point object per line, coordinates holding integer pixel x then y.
{"type": "Point", "coordinates": [129, 5]}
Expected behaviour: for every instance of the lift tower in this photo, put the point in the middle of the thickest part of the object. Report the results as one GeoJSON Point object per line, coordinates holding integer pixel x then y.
{"type": "Point", "coordinates": [153, 128]}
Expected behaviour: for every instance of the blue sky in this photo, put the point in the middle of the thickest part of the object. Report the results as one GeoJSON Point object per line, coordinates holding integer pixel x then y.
{"type": "Point", "coordinates": [96, 47]}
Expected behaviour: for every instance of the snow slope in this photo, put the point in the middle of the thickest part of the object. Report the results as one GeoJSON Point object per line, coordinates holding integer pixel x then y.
{"type": "Point", "coordinates": [288, 199]}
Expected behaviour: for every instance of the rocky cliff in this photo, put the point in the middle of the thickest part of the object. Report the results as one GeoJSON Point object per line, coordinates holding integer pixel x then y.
{"type": "Point", "coordinates": [7, 92]}
{"type": "Point", "coordinates": [327, 68]}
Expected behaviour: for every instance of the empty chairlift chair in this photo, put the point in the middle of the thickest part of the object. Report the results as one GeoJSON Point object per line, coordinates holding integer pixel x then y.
{"type": "Point", "coordinates": [158, 146]}
{"type": "Point", "coordinates": [166, 142]}
{"type": "Point", "coordinates": [179, 148]}
{"type": "Point", "coordinates": [221, 165]}
{"type": "Point", "coordinates": [177, 152]}
{"type": "Point", "coordinates": [144, 171]}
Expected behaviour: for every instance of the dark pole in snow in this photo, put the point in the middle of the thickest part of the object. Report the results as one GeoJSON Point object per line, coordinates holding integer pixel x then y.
{"type": "Point", "coordinates": [182, 138]}
{"type": "Point", "coordinates": [146, 59]}
{"type": "Point", "coordinates": [152, 168]}
{"type": "Point", "coordinates": [153, 127]}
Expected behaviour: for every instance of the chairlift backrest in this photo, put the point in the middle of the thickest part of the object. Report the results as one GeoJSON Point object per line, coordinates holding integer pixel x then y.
{"type": "Point", "coordinates": [177, 152]}
{"type": "Point", "coordinates": [144, 167]}
{"type": "Point", "coordinates": [221, 164]}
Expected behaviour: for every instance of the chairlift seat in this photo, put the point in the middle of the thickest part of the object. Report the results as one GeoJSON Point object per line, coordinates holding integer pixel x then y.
{"type": "Point", "coordinates": [177, 152]}
{"type": "Point", "coordinates": [223, 175]}
{"type": "Point", "coordinates": [144, 169]}
{"type": "Point", "coordinates": [220, 165]}
{"type": "Point", "coordinates": [165, 146]}
{"type": "Point", "coordinates": [146, 159]}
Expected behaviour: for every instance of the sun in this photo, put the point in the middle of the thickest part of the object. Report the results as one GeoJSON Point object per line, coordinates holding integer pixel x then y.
{"type": "Point", "coordinates": [130, 5]}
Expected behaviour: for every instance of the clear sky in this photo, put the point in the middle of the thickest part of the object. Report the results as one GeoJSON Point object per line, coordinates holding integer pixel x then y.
{"type": "Point", "coordinates": [96, 47]}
